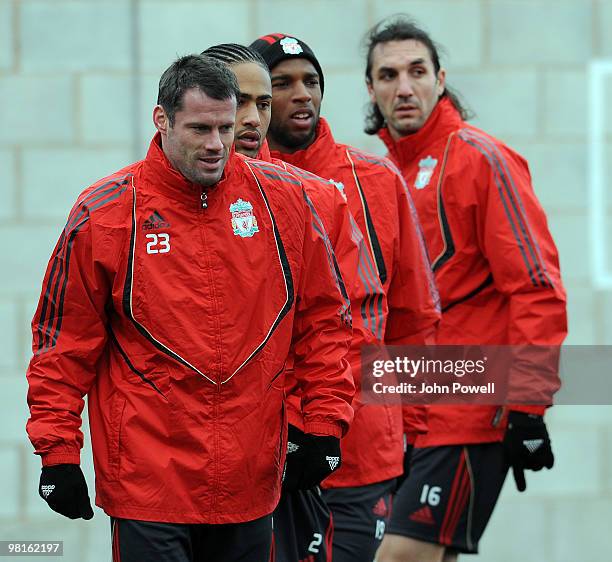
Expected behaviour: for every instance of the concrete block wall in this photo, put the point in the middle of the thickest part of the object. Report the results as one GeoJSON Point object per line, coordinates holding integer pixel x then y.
{"type": "Point", "coordinates": [78, 82]}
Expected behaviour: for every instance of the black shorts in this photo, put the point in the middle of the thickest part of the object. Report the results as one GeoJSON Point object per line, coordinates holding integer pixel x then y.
{"type": "Point", "coordinates": [360, 516]}
{"type": "Point", "coordinates": [303, 528]}
{"type": "Point", "coordinates": [449, 495]}
{"type": "Point", "coordinates": [137, 541]}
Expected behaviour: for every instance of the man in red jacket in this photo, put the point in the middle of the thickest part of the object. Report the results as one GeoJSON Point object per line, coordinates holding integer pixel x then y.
{"type": "Point", "coordinates": [497, 270]}
{"type": "Point", "coordinates": [172, 299]}
{"type": "Point", "coordinates": [303, 527]}
{"type": "Point", "coordinates": [401, 306]}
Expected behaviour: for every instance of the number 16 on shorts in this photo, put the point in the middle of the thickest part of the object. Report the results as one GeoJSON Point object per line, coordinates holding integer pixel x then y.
{"type": "Point", "coordinates": [431, 495]}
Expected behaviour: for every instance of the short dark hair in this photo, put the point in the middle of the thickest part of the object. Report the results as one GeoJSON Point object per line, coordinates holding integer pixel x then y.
{"type": "Point", "coordinates": [401, 27]}
{"type": "Point", "coordinates": [233, 53]}
{"type": "Point", "coordinates": [212, 77]}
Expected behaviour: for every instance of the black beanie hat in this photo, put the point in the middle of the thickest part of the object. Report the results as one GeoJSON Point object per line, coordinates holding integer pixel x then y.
{"type": "Point", "coordinates": [277, 47]}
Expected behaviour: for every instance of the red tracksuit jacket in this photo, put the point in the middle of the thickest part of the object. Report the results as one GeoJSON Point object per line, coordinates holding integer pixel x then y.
{"type": "Point", "coordinates": [401, 304]}
{"type": "Point", "coordinates": [335, 224]}
{"type": "Point", "coordinates": [176, 320]}
{"type": "Point", "coordinates": [495, 263]}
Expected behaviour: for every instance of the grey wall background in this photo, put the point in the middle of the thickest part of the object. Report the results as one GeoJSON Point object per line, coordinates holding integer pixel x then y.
{"type": "Point", "coordinates": [78, 81]}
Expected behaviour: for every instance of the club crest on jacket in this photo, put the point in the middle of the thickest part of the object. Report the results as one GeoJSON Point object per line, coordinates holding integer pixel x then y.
{"type": "Point", "coordinates": [244, 222]}
{"type": "Point", "coordinates": [426, 170]}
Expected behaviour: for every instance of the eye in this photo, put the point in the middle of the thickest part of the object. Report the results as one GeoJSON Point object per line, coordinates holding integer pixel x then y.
{"type": "Point", "coordinates": [263, 105]}
{"type": "Point", "coordinates": [312, 82]}
{"type": "Point", "coordinates": [386, 75]}
{"type": "Point", "coordinates": [226, 128]}
{"type": "Point", "coordinates": [418, 71]}
{"type": "Point", "coordinates": [280, 84]}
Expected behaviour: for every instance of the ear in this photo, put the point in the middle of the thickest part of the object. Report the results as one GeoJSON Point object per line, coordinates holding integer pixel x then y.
{"type": "Point", "coordinates": [441, 82]}
{"type": "Point", "coordinates": [160, 120]}
{"type": "Point", "coordinates": [370, 90]}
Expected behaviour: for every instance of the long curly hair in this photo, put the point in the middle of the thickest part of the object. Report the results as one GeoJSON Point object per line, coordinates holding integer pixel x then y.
{"type": "Point", "coordinates": [400, 28]}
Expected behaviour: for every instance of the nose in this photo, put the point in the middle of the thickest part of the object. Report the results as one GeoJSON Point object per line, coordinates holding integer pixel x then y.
{"type": "Point", "coordinates": [251, 116]}
{"type": "Point", "coordinates": [213, 141]}
{"type": "Point", "coordinates": [300, 92]}
{"type": "Point", "coordinates": [404, 86]}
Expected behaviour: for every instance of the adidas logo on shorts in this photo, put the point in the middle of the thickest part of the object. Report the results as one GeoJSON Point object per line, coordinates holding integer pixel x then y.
{"type": "Point", "coordinates": [333, 462]}
{"type": "Point", "coordinates": [423, 515]}
{"type": "Point", "coordinates": [46, 490]}
{"type": "Point", "coordinates": [380, 508]}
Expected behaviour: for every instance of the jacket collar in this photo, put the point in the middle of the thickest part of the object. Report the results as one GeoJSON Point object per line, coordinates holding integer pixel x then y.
{"type": "Point", "coordinates": [317, 154]}
{"type": "Point", "coordinates": [159, 172]}
{"type": "Point", "coordinates": [264, 152]}
{"type": "Point", "coordinates": [444, 119]}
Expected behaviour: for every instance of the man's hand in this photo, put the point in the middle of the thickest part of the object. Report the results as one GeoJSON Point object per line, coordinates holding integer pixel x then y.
{"type": "Point", "coordinates": [64, 488]}
{"type": "Point", "coordinates": [297, 445]}
{"type": "Point", "coordinates": [310, 459]}
{"type": "Point", "coordinates": [527, 446]}
{"type": "Point", "coordinates": [324, 458]}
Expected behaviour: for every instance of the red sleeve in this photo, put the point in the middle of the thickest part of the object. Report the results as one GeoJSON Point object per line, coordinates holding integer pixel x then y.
{"type": "Point", "coordinates": [415, 422]}
{"type": "Point", "coordinates": [514, 236]}
{"type": "Point", "coordinates": [322, 336]}
{"type": "Point", "coordinates": [363, 285]}
{"type": "Point", "coordinates": [68, 336]}
{"type": "Point", "coordinates": [414, 303]}
{"type": "Point", "coordinates": [345, 241]}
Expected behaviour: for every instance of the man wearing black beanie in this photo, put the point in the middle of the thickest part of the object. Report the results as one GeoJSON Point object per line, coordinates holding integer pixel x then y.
{"type": "Point", "coordinates": [359, 493]}
{"type": "Point", "coordinates": [294, 129]}
{"type": "Point", "coordinates": [277, 47]}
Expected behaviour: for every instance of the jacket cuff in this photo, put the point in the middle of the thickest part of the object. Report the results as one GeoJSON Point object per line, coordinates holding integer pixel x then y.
{"type": "Point", "coordinates": [64, 457]}
{"type": "Point", "coordinates": [323, 428]}
{"type": "Point", "coordinates": [295, 418]}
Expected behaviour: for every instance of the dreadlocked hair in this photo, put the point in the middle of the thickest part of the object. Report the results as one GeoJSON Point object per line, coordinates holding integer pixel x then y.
{"type": "Point", "coordinates": [233, 53]}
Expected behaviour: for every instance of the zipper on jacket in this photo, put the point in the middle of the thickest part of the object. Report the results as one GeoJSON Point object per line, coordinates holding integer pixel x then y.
{"type": "Point", "coordinates": [216, 480]}
{"type": "Point", "coordinates": [204, 199]}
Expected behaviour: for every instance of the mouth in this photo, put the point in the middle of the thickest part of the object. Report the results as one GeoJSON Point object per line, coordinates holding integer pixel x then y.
{"type": "Point", "coordinates": [210, 163]}
{"type": "Point", "coordinates": [302, 118]}
{"type": "Point", "coordinates": [406, 109]}
{"type": "Point", "coordinates": [249, 140]}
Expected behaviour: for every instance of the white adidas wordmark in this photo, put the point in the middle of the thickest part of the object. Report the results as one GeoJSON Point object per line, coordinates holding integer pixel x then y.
{"type": "Point", "coordinates": [46, 490]}
{"type": "Point", "coordinates": [533, 444]}
{"type": "Point", "coordinates": [333, 462]}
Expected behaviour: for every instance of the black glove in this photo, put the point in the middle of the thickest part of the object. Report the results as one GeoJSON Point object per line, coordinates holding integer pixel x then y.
{"type": "Point", "coordinates": [310, 459]}
{"type": "Point", "coordinates": [296, 458]}
{"type": "Point", "coordinates": [407, 456]}
{"type": "Point", "coordinates": [526, 446]}
{"type": "Point", "coordinates": [324, 458]}
{"type": "Point", "coordinates": [64, 488]}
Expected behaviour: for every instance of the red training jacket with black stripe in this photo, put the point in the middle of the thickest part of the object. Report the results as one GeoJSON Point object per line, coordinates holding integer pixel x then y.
{"type": "Point", "coordinates": [354, 261]}
{"type": "Point", "coordinates": [495, 262]}
{"type": "Point", "coordinates": [405, 312]}
{"type": "Point", "coordinates": [176, 320]}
